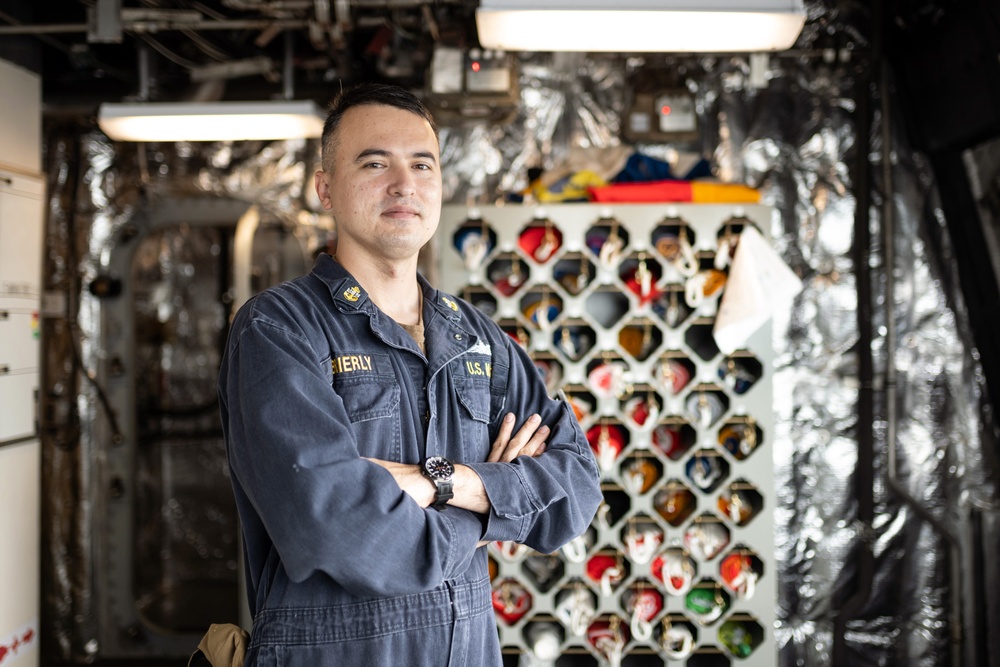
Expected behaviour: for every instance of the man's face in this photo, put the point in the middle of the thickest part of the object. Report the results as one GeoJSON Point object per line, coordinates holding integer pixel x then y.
{"type": "Point", "coordinates": [383, 183]}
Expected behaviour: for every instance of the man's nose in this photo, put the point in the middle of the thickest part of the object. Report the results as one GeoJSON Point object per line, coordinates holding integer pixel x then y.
{"type": "Point", "coordinates": [403, 182]}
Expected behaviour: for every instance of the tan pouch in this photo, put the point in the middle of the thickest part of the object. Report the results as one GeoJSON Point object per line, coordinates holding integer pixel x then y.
{"type": "Point", "coordinates": [224, 645]}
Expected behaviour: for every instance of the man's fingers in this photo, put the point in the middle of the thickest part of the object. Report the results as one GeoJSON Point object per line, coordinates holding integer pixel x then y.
{"type": "Point", "coordinates": [506, 428]}
{"type": "Point", "coordinates": [538, 449]}
{"type": "Point", "coordinates": [536, 444]}
{"type": "Point", "coordinates": [523, 437]}
{"type": "Point", "coordinates": [520, 439]}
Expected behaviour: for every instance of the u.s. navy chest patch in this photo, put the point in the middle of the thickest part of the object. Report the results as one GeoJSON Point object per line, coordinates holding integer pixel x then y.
{"type": "Point", "coordinates": [478, 367]}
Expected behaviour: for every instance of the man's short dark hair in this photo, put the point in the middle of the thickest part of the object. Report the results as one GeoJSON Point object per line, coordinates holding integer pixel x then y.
{"type": "Point", "coordinates": [369, 94]}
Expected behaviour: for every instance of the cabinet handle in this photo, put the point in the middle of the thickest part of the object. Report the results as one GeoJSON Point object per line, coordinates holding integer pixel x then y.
{"type": "Point", "coordinates": [6, 180]}
{"type": "Point", "coordinates": [4, 369]}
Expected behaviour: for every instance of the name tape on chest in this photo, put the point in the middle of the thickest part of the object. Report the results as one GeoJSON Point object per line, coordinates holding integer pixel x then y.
{"type": "Point", "coordinates": [361, 363]}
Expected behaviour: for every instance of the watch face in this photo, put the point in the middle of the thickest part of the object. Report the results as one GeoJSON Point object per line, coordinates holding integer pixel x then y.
{"type": "Point", "coordinates": [438, 467]}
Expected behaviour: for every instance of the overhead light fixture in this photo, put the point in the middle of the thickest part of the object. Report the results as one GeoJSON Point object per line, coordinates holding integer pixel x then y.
{"type": "Point", "coordinates": [685, 26]}
{"type": "Point", "coordinates": [211, 121]}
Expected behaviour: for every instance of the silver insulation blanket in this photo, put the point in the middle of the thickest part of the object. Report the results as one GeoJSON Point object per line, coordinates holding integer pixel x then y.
{"type": "Point", "coordinates": [796, 140]}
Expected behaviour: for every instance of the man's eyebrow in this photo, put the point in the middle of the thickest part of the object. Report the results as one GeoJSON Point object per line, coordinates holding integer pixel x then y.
{"type": "Point", "coordinates": [381, 152]}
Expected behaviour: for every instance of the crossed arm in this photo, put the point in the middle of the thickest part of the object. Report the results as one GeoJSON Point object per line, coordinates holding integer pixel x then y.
{"type": "Point", "coordinates": [470, 494]}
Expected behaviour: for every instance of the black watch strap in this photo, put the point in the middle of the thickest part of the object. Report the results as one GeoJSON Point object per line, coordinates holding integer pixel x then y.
{"type": "Point", "coordinates": [444, 493]}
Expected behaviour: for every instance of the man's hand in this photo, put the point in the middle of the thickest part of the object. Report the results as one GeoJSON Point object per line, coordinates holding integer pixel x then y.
{"type": "Point", "coordinates": [469, 491]}
{"type": "Point", "coordinates": [529, 441]}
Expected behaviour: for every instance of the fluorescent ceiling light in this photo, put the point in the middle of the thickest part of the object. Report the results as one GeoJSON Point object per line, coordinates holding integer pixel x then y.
{"type": "Point", "coordinates": [685, 26]}
{"type": "Point", "coordinates": [211, 121]}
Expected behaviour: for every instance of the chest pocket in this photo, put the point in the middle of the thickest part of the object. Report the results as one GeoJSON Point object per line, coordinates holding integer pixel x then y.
{"type": "Point", "coordinates": [481, 385]}
{"type": "Point", "coordinates": [472, 384]}
{"type": "Point", "coordinates": [367, 385]}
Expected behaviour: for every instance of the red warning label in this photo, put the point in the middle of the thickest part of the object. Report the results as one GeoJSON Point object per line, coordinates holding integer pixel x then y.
{"type": "Point", "coordinates": [10, 646]}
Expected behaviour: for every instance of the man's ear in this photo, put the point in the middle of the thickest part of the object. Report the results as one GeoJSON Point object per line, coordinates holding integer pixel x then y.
{"type": "Point", "coordinates": [323, 189]}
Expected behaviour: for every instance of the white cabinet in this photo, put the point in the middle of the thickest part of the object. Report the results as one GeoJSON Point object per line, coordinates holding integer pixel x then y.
{"type": "Point", "coordinates": [20, 278]}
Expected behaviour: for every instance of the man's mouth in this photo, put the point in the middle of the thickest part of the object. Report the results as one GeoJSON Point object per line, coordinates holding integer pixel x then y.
{"type": "Point", "coordinates": [400, 212]}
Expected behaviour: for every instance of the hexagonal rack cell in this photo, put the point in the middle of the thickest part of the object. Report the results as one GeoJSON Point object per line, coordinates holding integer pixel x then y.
{"type": "Point", "coordinates": [607, 240]}
{"type": "Point", "coordinates": [607, 569]}
{"type": "Point", "coordinates": [674, 240]}
{"type": "Point", "coordinates": [507, 551]}
{"type": "Point", "coordinates": [641, 601]}
{"type": "Point", "coordinates": [517, 331]}
{"type": "Point", "coordinates": [704, 405]}
{"type": "Point", "coordinates": [675, 570]}
{"type": "Point", "coordinates": [741, 634]}
{"type": "Point", "coordinates": [574, 272]}
{"type": "Point", "coordinates": [741, 436]}
{"type": "Point", "coordinates": [550, 370]}
{"type": "Point", "coordinates": [727, 239]}
{"type": "Point", "coordinates": [640, 338]}
{"type": "Point", "coordinates": [609, 376]}
{"type": "Point", "coordinates": [639, 472]}
{"type": "Point", "coordinates": [608, 439]}
{"type": "Point", "coordinates": [575, 595]}
{"type": "Point", "coordinates": [541, 307]}
{"type": "Point", "coordinates": [703, 291]}
{"type": "Point", "coordinates": [543, 571]}
{"type": "Point", "coordinates": [739, 372]}
{"type": "Point", "coordinates": [739, 502]}
{"type": "Point", "coordinates": [474, 240]}
{"type": "Point", "coordinates": [701, 340]}
{"type": "Point", "coordinates": [678, 636]}
{"type": "Point", "coordinates": [612, 629]}
{"type": "Point", "coordinates": [706, 537]}
{"type": "Point", "coordinates": [640, 273]}
{"type": "Point", "coordinates": [673, 372]}
{"type": "Point", "coordinates": [540, 240]}
{"type": "Point", "coordinates": [574, 339]}
{"type": "Point", "coordinates": [707, 601]}
{"type": "Point", "coordinates": [617, 502]}
{"type": "Point", "coordinates": [675, 502]}
{"type": "Point", "coordinates": [580, 547]}
{"type": "Point", "coordinates": [671, 307]}
{"type": "Point", "coordinates": [641, 537]}
{"type": "Point", "coordinates": [508, 273]}
{"type": "Point", "coordinates": [642, 407]}
{"type": "Point", "coordinates": [672, 438]}
{"type": "Point", "coordinates": [607, 305]}
{"type": "Point", "coordinates": [582, 402]}
{"type": "Point", "coordinates": [511, 600]}
{"type": "Point", "coordinates": [740, 570]}
{"type": "Point", "coordinates": [481, 298]}
{"type": "Point", "coordinates": [543, 638]}
{"type": "Point", "coordinates": [706, 470]}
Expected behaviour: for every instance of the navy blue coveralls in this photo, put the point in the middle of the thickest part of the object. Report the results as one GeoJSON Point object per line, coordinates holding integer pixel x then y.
{"type": "Point", "coordinates": [344, 568]}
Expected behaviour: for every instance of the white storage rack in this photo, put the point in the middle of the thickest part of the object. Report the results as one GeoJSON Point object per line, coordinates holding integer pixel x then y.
{"type": "Point", "coordinates": [612, 315]}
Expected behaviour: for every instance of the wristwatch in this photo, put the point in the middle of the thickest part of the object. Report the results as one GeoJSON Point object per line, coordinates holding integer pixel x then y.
{"type": "Point", "coordinates": [439, 470]}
